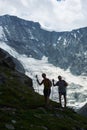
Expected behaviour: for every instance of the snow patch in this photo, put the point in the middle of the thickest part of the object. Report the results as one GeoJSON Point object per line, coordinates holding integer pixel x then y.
{"type": "Point", "coordinates": [1, 31]}
{"type": "Point", "coordinates": [74, 35]}
{"type": "Point", "coordinates": [54, 45]}
{"type": "Point", "coordinates": [2, 35]}
{"type": "Point", "coordinates": [65, 42]}
{"type": "Point", "coordinates": [59, 38]}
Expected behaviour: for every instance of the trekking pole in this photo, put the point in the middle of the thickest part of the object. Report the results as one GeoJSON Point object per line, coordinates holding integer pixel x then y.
{"type": "Point", "coordinates": [37, 84]}
{"type": "Point", "coordinates": [52, 91]}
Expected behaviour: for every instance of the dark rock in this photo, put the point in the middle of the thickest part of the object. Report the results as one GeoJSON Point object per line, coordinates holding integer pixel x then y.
{"type": "Point", "coordinates": [23, 79]}
{"type": "Point", "coordinates": [83, 110]}
{"type": "Point", "coordinates": [11, 62]}
{"type": "Point", "coordinates": [18, 66]}
{"type": "Point", "coordinates": [28, 81]}
{"type": "Point", "coordinates": [17, 69]}
{"type": "Point", "coordinates": [2, 78]}
{"type": "Point", "coordinates": [2, 54]}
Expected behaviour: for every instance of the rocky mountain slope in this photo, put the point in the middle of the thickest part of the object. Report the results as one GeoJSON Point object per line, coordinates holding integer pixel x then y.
{"type": "Point", "coordinates": [23, 109]}
{"type": "Point", "coordinates": [9, 70]}
{"type": "Point", "coordinates": [63, 49]}
{"type": "Point", "coordinates": [8, 60]}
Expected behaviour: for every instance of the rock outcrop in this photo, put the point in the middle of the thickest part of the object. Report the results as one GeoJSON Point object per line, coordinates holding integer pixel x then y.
{"type": "Point", "coordinates": [7, 60]}
{"type": "Point", "coordinates": [83, 110]}
{"type": "Point", "coordinates": [17, 70]}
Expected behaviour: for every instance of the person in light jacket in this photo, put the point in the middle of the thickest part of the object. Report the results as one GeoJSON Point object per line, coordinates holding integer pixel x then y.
{"type": "Point", "coordinates": [62, 85]}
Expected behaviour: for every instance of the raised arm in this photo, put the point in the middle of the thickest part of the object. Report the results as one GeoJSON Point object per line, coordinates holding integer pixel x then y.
{"type": "Point", "coordinates": [54, 83]}
{"type": "Point", "coordinates": [38, 81]}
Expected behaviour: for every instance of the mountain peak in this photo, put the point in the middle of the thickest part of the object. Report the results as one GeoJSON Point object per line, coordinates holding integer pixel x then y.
{"type": "Point", "coordinates": [11, 19]}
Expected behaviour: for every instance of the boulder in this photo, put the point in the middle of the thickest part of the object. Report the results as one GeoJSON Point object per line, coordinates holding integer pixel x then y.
{"type": "Point", "coordinates": [7, 60]}
{"type": "Point", "coordinates": [83, 110]}
{"type": "Point", "coordinates": [17, 70]}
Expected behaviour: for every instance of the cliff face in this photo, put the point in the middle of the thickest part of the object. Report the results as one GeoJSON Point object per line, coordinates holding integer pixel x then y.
{"type": "Point", "coordinates": [14, 68]}
{"type": "Point", "coordinates": [63, 49]}
{"type": "Point", "coordinates": [11, 62]}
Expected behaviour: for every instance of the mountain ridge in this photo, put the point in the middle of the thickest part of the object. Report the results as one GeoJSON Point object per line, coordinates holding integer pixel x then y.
{"type": "Point", "coordinates": [69, 48]}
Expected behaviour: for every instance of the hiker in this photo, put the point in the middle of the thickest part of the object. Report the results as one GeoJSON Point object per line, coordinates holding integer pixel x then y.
{"type": "Point", "coordinates": [47, 87]}
{"type": "Point", "coordinates": [62, 84]}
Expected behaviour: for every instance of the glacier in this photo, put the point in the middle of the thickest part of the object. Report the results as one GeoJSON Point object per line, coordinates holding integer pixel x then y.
{"type": "Point", "coordinates": [76, 91]}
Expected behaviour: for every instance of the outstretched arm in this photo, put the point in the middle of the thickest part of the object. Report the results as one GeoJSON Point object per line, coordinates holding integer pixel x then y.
{"type": "Point", "coordinates": [38, 81]}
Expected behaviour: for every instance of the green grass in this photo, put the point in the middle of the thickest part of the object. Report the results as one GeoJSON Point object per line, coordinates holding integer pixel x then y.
{"type": "Point", "coordinates": [23, 109]}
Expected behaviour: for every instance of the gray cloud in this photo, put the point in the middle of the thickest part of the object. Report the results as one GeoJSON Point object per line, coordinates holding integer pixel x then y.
{"type": "Point", "coordinates": [51, 14]}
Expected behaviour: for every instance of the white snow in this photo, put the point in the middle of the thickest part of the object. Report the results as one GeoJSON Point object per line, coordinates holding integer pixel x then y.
{"type": "Point", "coordinates": [7, 29]}
{"type": "Point", "coordinates": [2, 35]}
{"type": "Point", "coordinates": [54, 45]}
{"type": "Point", "coordinates": [31, 36]}
{"type": "Point", "coordinates": [75, 35]}
{"type": "Point", "coordinates": [77, 89]}
{"type": "Point", "coordinates": [65, 42]}
{"type": "Point", "coordinates": [1, 31]}
{"type": "Point", "coordinates": [59, 38]}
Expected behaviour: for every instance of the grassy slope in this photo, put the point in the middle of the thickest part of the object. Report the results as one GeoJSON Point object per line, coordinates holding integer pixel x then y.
{"type": "Point", "coordinates": [23, 109]}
